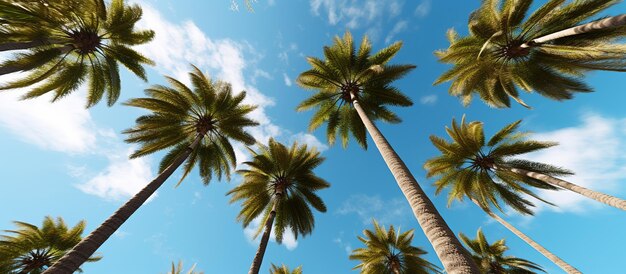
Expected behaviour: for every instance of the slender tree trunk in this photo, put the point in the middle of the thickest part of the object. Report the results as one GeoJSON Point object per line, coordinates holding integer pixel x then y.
{"type": "Point", "coordinates": [395, 267]}
{"type": "Point", "coordinates": [600, 197]}
{"type": "Point", "coordinates": [21, 45]}
{"type": "Point", "coordinates": [453, 256]}
{"type": "Point", "coordinates": [555, 259]}
{"type": "Point", "coordinates": [610, 22]}
{"type": "Point", "coordinates": [258, 257]}
{"type": "Point", "coordinates": [72, 260]}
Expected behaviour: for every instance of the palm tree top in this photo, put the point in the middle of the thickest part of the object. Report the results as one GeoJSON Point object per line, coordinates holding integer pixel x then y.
{"type": "Point", "coordinates": [490, 258]}
{"type": "Point", "coordinates": [347, 73]}
{"type": "Point", "coordinates": [499, 57]}
{"type": "Point", "coordinates": [287, 171]}
{"type": "Point", "coordinates": [471, 166]}
{"type": "Point", "coordinates": [390, 252]}
{"type": "Point", "coordinates": [283, 269]}
{"type": "Point", "coordinates": [179, 114]}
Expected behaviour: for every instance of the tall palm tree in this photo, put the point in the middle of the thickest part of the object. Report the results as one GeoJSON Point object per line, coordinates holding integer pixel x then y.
{"type": "Point", "coordinates": [547, 53]}
{"type": "Point", "coordinates": [29, 249]}
{"type": "Point", "coordinates": [390, 252]}
{"type": "Point", "coordinates": [178, 269]}
{"type": "Point", "coordinates": [491, 259]}
{"type": "Point", "coordinates": [66, 46]}
{"type": "Point", "coordinates": [353, 89]}
{"type": "Point", "coordinates": [196, 125]}
{"type": "Point", "coordinates": [485, 172]}
{"type": "Point", "coordinates": [280, 186]}
{"type": "Point", "coordinates": [283, 269]}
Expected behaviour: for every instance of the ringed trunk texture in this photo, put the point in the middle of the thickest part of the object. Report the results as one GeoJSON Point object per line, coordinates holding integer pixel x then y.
{"type": "Point", "coordinates": [258, 257]}
{"type": "Point", "coordinates": [453, 256]}
{"type": "Point", "coordinates": [72, 260]}
{"type": "Point", "coordinates": [610, 22]}
{"type": "Point", "coordinates": [555, 259]}
{"type": "Point", "coordinates": [598, 196]}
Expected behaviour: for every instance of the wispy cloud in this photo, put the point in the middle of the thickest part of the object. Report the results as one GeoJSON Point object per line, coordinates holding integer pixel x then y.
{"type": "Point", "coordinates": [394, 211]}
{"type": "Point", "coordinates": [310, 140]}
{"type": "Point", "coordinates": [289, 240]}
{"type": "Point", "coordinates": [397, 29]}
{"type": "Point", "coordinates": [287, 80]}
{"type": "Point", "coordinates": [428, 100]}
{"type": "Point", "coordinates": [423, 8]}
{"type": "Point", "coordinates": [355, 13]}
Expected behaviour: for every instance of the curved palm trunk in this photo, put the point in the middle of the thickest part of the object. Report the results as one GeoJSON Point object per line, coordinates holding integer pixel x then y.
{"type": "Point", "coordinates": [600, 197]}
{"type": "Point", "coordinates": [610, 22]}
{"type": "Point", "coordinates": [395, 267]}
{"type": "Point", "coordinates": [453, 256]}
{"type": "Point", "coordinates": [72, 260]}
{"type": "Point", "coordinates": [555, 259]}
{"type": "Point", "coordinates": [258, 257]}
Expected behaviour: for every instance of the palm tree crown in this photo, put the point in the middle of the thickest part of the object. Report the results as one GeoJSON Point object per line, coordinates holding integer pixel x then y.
{"type": "Point", "coordinates": [31, 250]}
{"type": "Point", "coordinates": [277, 169]}
{"type": "Point", "coordinates": [66, 46]}
{"type": "Point", "coordinates": [473, 167]}
{"type": "Point", "coordinates": [181, 114]}
{"type": "Point", "coordinates": [390, 252]}
{"type": "Point", "coordinates": [348, 73]}
{"type": "Point", "coordinates": [491, 260]}
{"type": "Point", "coordinates": [283, 269]}
{"type": "Point", "coordinates": [499, 56]}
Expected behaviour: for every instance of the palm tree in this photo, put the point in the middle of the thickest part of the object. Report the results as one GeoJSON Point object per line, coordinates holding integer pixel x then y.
{"type": "Point", "coordinates": [353, 90]}
{"type": "Point", "coordinates": [390, 252]}
{"type": "Point", "coordinates": [66, 46]}
{"type": "Point", "coordinates": [280, 186]}
{"type": "Point", "coordinates": [29, 249]}
{"type": "Point", "coordinates": [283, 269]}
{"type": "Point", "coordinates": [546, 53]}
{"type": "Point", "coordinates": [486, 173]}
{"type": "Point", "coordinates": [491, 260]}
{"type": "Point", "coordinates": [196, 125]}
{"type": "Point", "coordinates": [178, 269]}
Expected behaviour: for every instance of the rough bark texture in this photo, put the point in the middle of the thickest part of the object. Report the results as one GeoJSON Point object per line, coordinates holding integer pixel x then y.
{"type": "Point", "coordinates": [453, 256]}
{"type": "Point", "coordinates": [610, 22]}
{"type": "Point", "coordinates": [20, 45]}
{"type": "Point", "coordinates": [72, 260]}
{"type": "Point", "coordinates": [600, 197]}
{"type": "Point", "coordinates": [258, 257]}
{"type": "Point", "coordinates": [562, 264]}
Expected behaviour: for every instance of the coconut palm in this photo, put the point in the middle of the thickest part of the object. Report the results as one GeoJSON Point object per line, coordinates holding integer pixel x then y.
{"type": "Point", "coordinates": [487, 174]}
{"type": "Point", "coordinates": [283, 269]}
{"type": "Point", "coordinates": [279, 187]}
{"type": "Point", "coordinates": [178, 269]}
{"type": "Point", "coordinates": [390, 252]}
{"type": "Point", "coordinates": [66, 46]}
{"type": "Point", "coordinates": [196, 125]}
{"type": "Point", "coordinates": [29, 249]}
{"type": "Point", "coordinates": [547, 51]}
{"type": "Point", "coordinates": [491, 259]}
{"type": "Point", "coordinates": [353, 89]}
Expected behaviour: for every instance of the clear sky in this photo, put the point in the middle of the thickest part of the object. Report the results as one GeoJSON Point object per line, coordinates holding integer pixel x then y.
{"type": "Point", "coordinates": [62, 160]}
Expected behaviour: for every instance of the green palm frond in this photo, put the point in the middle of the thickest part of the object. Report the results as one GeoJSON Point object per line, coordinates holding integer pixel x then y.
{"type": "Point", "coordinates": [180, 113]}
{"type": "Point", "coordinates": [178, 269]}
{"type": "Point", "coordinates": [29, 249]}
{"type": "Point", "coordinates": [388, 251]}
{"type": "Point", "coordinates": [283, 269]}
{"type": "Point", "coordinates": [66, 47]}
{"type": "Point", "coordinates": [498, 57]}
{"type": "Point", "coordinates": [471, 166]}
{"type": "Point", "coordinates": [490, 258]}
{"type": "Point", "coordinates": [347, 70]}
{"type": "Point", "coordinates": [276, 168]}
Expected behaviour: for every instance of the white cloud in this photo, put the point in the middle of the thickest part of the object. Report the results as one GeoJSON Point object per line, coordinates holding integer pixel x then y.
{"type": "Point", "coordinates": [346, 246]}
{"type": "Point", "coordinates": [287, 80]}
{"type": "Point", "coordinates": [398, 28]}
{"type": "Point", "coordinates": [423, 9]}
{"type": "Point", "coordinates": [428, 100]}
{"type": "Point", "coordinates": [595, 150]}
{"type": "Point", "coordinates": [309, 140]}
{"type": "Point", "coordinates": [355, 13]}
{"type": "Point", "coordinates": [366, 207]}
{"type": "Point", "coordinates": [289, 240]}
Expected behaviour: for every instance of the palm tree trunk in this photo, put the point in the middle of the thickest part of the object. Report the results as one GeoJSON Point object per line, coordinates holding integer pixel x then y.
{"type": "Point", "coordinates": [610, 22]}
{"type": "Point", "coordinates": [556, 260]}
{"type": "Point", "coordinates": [453, 256]}
{"type": "Point", "coordinates": [600, 197]}
{"type": "Point", "coordinates": [72, 260]}
{"type": "Point", "coordinates": [21, 45]}
{"type": "Point", "coordinates": [258, 257]}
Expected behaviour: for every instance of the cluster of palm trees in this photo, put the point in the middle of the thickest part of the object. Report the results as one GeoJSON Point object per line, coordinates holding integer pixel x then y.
{"type": "Point", "coordinates": [507, 49]}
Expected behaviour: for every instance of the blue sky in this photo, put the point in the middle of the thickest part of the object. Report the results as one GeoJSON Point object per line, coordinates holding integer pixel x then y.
{"type": "Point", "coordinates": [63, 160]}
